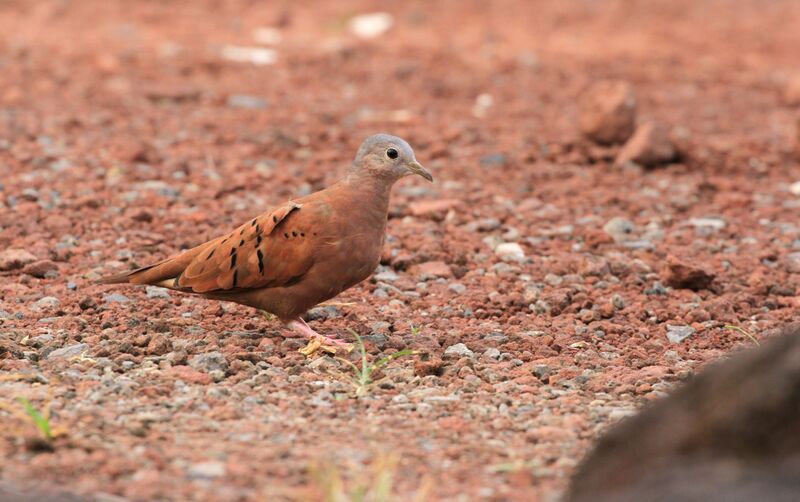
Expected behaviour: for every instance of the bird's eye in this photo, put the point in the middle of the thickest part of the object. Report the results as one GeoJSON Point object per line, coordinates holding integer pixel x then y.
{"type": "Point", "coordinates": [391, 153]}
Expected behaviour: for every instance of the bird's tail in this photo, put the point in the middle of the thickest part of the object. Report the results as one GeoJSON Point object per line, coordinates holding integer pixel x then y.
{"type": "Point", "coordinates": [162, 273]}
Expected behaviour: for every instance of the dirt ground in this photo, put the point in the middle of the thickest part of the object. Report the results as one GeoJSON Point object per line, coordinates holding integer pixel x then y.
{"type": "Point", "coordinates": [131, 130]}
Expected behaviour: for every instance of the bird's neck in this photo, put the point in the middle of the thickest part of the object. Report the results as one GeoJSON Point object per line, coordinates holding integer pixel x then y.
{"type": "Point", "coordinates": [368, 191]}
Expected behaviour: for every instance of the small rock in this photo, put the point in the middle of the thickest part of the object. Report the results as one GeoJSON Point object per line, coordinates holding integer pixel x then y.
{"type": "Point", "coordinates": [371, 25]}
{"type": "Point", "coordinates": [791, 91]}
{"type": "Point", "coordinates": [433, 209]}
{"type": "Point", "coordinates": [387, 275]}
{"type": "Point", "coordinates": [458, 350]}
{"type": "Point", "coordinates": [47, 303]}
{"type": "Point", "coordinates": [259, 56]}
{"type": "Point", "coordinates": [510, 251]}
{"type": "Point", "coordinates": [681, 275]}
{"type": "Point", "coordinates": [658, 289]}
{"type": "Point", "coordinates": [677, 334]}
{"type": "Point", "coordinates": [69, 351]}
{"type": "Point", "coordinates": [13, 258]}
{"type": "Point", "coordinates": [608, 112]}
{"type": "Point", "coordinates": [156, 292]}
{"type": "Point", "coordinates": [620, 229]}
{"type": "Point", "coordinates": [792, 262]}
{"type": "Point", "coordinates": [491, 353]}
{"type": "Point", "coordinates": [188, 374]}
{"type": "Point", "coordinates": [206, 470]}
{"type": "Point", "coordinates": [482, 225]}
{"type": "Point", "coordinates": [649, 146]}
{"type": "Point", "coordinates": [208, 362]}
{"type": "Point", "coordinates": [324, 312]}
{"type": "Point", "coordinates": [709, 224]}
{"type": "Point", "coordinates": [794, 188]}
{"type": "Point", "coordinates": [159, 345]}
{"type": "Point", "coordinates": [494, 160]}
{"type": "Point", "coordinates": [40, 269]}
{"type": "Point", "coordinates": [245, 101]}
{"type": "Point", "coordinates": [542, 371]}
{"type": "Point", "coordinates": [116, 298]}
{"type": "Point", "coordinates": [457, 288]}
{"type": "Point", "coordinates": [431, 270]}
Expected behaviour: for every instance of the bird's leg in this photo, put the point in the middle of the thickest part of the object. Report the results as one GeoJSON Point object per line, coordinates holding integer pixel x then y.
{"type": "Point", "coordinates": [300, 326]}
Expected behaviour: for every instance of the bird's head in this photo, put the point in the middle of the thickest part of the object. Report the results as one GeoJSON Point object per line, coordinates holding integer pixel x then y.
{"type": "Point", "coordinates": [387, 157]}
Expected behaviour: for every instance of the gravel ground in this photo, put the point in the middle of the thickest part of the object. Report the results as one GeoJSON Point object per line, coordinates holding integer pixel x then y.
{"type": "Point", "coordinates": [615, 185]}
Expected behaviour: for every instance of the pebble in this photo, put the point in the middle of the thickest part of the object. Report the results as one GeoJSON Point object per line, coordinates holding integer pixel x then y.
{"type": "Point", "coordinates": [156, 292]}
{"type": "Point", "coordinates": [677, 334]}
{"type": "Point", "coordinates": [116, 298]}
{"type": "Point", "coordinates": [387, 275]}
{"type": "Point", "coordinates": [206, 470]}
{"type": "Point", "coordinates": [431, 270]}
{"type": "Point", "coordinates": [510, 251]}
{"type": "Point", "coordinates": [370, 25]}
{"type": "Point", "coordinates": [649, 146]}
{"type": "Point", "coordinates": [41, 269]}
{"type": "Point", "coordinates": [482, 225]}
{"type": "Point", "coordinates": [794, 188]}
{"type": "Point", "coordinates": [13, 258]}
{"type": "Point", "coordinates": [620, 229]}
{"type": "Point", "coordinates": [792, 262]}
{"type": "Point", "coordinates": [608, 112]}
{"type": "Point", "coordinates": [246, 101]}
{"type": "Point", "coordinates": [208, 362]}
{"type": "Point", "coordinates": [68, 352]}
{"type": "Point", "coordinates": [47, 303]}
{"type": "Point", "coordinates": [459, 350]}
{"type": "Point", "coordinates": [491, 353]}
{"type": "Point", "coordinates": [711, 223]}
{"type": "Point", "coordinates": [458, 288]}
{"type": "Point", "coordinates": [323, 312]}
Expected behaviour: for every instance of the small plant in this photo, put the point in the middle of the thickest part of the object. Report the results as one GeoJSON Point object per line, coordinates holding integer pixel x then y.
{"type": "Point", "coordinates": [415, 330]}
{"type": "Point", "coordinates": [363, 375]}
{"type": "Point", "coordinates": [744, 332]}
{"type": "Point", "coordinates": [375, 483]}
{"type": "Point", "coordinates": [41, 421]}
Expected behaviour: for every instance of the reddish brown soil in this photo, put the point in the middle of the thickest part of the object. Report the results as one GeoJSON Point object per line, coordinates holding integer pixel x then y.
{"type": "Point", "coordinates": [121, 143]}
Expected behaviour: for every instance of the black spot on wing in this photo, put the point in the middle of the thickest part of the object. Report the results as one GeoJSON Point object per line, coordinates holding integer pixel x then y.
{"type": "Point", "coordinates": [233, 260]}
{"type": "Point", "coordinates": [260, 262]}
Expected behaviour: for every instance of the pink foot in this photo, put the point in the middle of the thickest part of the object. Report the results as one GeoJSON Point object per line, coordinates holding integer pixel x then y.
{"type": "Point", "coordinates": [304, 329]}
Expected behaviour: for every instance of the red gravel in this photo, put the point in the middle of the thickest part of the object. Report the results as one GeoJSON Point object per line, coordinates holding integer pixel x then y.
{"type": "Point", "coordinates": [126, 136]}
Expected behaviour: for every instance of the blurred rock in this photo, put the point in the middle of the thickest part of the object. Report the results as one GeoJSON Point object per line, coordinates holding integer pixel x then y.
{"type": "Point", "coordinates": [159, 345]}
{"type": "Point", "coordinates": [40, 268]}
{"type": "Point", "coordinates": [433, 209]}
{"type": "Point", "coordinates": [259, 56]}
{"type": "Point", "coordinates": [677, 334]}
{"type": "Point", "coordinates": [649, 146]}
{"type": "Point", "coordinates": [208, 362]}
{"type": "Point", "coordinates": [620, 229]}
{"type": "Point", "coordinates": [680, 275]}
{"type": "Point", "coordinates": [510, 251]}
{"type": "Point", "coordinates": [370, 25]}
{"type": "Point", "coordinates": [431, 270]}
{"type": "Point", "coordinates": [729, 434]}
{"type": "Point", "coordinates": [12, 259]}
{"type": "Point", "coordinates": [608, 112]}
{"type": "Point", "coordinates": [458, 350]}
{"type": "Point", "coordinates": [791, 91]}
{"type": "Point", "coordinates": [69, 351]}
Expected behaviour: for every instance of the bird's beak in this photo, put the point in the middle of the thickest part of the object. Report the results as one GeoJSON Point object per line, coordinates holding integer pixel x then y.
{"type": "Point", "coordinates": [416, 168]}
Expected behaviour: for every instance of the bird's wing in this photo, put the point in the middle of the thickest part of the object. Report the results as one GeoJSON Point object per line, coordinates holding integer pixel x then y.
{"type": "Point", "coordinates": [271, 250]}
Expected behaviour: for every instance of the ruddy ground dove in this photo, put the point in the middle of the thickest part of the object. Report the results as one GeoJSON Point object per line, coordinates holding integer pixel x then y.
{"type": "Point", "coordinates": [301, 253]}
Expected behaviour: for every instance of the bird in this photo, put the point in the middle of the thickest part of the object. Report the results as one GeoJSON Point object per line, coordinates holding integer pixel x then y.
{"type": "Point", "coordinates": [301, 253]}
